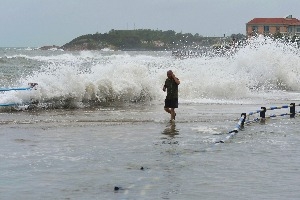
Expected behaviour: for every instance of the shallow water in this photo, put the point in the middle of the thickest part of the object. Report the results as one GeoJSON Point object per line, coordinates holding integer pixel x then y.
{"type": "Point", "coordinates": [85, 154]}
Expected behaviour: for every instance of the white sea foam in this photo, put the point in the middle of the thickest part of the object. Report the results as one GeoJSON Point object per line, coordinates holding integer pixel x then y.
{"type": "Point", "coordinates": [260, 66]}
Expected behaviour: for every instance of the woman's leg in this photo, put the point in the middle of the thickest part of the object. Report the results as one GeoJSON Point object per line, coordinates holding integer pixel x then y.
{"type": "Point", "coordinates": [172, 113]}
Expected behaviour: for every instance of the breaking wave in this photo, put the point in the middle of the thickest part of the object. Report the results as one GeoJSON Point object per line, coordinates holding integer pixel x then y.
{"type": "Point", "coordinates": [76, 79]}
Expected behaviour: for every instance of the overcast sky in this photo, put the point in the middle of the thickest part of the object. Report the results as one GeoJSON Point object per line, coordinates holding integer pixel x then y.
{"type": "Point", "coordinates": [35, 23]}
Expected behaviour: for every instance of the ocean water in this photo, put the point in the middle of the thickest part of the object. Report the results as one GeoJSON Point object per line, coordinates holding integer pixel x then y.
{"type": "Point", "coordinates": [98, 129]}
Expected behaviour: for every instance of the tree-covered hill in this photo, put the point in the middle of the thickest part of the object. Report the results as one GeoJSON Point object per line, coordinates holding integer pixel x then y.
{"type": "Point", "coordinates": [144, 39]}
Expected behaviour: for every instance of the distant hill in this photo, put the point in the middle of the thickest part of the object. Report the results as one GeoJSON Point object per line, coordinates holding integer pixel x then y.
{"type": "Point", "coordinates": [144, 39]}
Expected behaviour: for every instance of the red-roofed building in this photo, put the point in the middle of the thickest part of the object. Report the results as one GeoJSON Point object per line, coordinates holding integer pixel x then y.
{"type": "Point", "coordinates": [269, 26]}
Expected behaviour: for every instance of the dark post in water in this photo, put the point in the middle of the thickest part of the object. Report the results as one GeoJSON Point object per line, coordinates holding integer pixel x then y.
{"type": "Point", "coordinates": [263, 115]}
{"type": "Point", "coordinates": [292, 110]}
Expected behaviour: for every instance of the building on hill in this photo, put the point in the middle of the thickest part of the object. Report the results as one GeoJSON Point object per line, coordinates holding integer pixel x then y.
{"type": "Point", "coordinates": [269, 26]}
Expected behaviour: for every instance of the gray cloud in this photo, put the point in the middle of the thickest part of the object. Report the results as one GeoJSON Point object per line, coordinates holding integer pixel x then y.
{"type": "Point", "coordinates": [47, 22]}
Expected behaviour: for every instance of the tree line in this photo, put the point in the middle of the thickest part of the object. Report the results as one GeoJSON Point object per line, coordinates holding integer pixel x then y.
{"type": "Point", "coordinates": [145, 39]}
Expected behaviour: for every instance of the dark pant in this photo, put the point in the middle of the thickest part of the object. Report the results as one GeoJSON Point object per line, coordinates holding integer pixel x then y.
{"type": "Point", "coordinates": [171, 103]}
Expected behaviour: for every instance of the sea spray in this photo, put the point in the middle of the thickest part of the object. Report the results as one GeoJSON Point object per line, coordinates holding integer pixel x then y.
{"type": "Point", "coordinates": [88, 78]}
